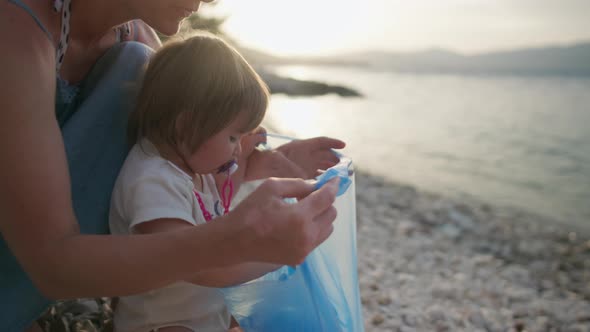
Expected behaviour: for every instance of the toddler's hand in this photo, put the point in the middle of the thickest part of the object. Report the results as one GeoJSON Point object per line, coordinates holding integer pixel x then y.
{"type": "Point", "coordinates": [251, 140]}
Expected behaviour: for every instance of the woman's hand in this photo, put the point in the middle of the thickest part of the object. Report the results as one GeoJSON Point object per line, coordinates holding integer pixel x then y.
{"type": "Point", "coordinates": [264, 164]}
{"type": "Point", "coordinates": [296, 159]}
{"type": "Point", "coordinates": [271, 163]}
{"type": "Point", "coordinates": [313, 154]}
{"type": "Point", "coordinates": [283, 233]}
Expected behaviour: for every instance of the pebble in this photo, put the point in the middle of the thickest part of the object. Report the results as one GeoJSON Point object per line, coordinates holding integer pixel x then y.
{"type": "Point", "coordinates": [378, 319]}
{"type": "Point", "coordinates": [434, 264]}
{"type": "Point", "coordinates": [384, 300]}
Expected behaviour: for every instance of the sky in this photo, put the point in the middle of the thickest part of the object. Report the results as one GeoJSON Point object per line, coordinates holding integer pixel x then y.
{"type": "Point", "coordinates": [329, 27]}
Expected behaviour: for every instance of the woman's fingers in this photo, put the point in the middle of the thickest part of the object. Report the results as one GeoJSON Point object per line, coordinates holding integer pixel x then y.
{"type": "Point", "coordinates": [287, 233]}
{"type": "Point", "coordinates": [264, 164]}
{"type": "Point", "coordinates": [320, 212]}
{"type": "Point", "coordinates": [326, 156]}
{"type": "Point", "coordinates": [324, 224]}
{"type": "Point", "coordinates": [313, 153]}
{"type": "Point", "coordinates": [323, 142]}
{"type": "Point", "coordinates": [321, 199]}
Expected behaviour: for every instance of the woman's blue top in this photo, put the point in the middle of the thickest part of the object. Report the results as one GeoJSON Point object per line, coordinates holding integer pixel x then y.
{"type": "Point", "coordinates": [92, 116]}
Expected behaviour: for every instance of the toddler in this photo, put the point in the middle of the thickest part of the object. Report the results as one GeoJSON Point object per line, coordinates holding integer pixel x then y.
{"type": "Point", "coordinates": [193, 127]}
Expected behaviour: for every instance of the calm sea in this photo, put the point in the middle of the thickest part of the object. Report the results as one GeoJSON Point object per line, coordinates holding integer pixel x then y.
{"type": "Point", "coordinates": [507, 140]}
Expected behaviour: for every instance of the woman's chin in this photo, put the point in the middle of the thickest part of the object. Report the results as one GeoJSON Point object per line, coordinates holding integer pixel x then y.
{"type": "Point", "coordinates": [168, 29]}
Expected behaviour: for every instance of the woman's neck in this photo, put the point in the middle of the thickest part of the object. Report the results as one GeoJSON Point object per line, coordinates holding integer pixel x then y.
{"type": "Point", "coordinates": [91, 20]}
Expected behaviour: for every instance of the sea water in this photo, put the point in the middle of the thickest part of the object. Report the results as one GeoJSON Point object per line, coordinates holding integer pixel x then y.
{"type": "Point", "coordinates": [520, 141]}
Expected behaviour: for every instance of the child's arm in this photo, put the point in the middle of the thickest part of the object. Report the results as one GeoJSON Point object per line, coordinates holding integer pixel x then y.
{"type": "Point", "coordinates": [219, 277]}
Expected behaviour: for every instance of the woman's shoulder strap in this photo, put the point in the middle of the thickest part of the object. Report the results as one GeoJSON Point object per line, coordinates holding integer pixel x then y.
{"type": "Point", "coordinates": [28, 9]}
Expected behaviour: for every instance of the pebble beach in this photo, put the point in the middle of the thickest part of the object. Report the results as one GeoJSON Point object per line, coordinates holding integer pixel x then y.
{"type": "Point", "coordinates": [429, 263]}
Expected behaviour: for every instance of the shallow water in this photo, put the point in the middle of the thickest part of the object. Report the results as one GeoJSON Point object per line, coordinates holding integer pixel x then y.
{"type": "Point", "coordinates": [508, 140]}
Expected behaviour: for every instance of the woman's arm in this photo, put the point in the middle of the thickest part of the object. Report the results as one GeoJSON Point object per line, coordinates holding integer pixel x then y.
{"type": "Point", "coordinates": [232, 275]}
{"type": "Point", "coordinates": [37, 219]}
{"type": "Point", "coordinates": [219, 277]}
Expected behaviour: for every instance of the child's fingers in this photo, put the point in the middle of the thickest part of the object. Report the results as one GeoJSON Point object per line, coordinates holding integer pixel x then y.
{"type": "Point", "coordinates": [260, 134]}
{"type": "Point", "coordinates": [250, 141]}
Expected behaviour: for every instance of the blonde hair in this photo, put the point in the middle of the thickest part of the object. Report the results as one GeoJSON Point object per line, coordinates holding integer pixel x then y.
{"type": "Point", "coordinates": [193, 88]}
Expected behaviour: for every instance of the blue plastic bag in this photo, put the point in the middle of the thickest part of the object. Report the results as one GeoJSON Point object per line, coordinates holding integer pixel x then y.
{"type": "Point", "coordinates": [342, 170]}
{"type": "Point", "coordinates": [321, 294]}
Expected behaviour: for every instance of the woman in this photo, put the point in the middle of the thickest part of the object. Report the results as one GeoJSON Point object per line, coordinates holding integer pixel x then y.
{"type": "Point", "coordinates": [64, 98]}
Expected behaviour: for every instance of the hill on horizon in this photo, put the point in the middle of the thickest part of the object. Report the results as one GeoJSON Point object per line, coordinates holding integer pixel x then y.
{"type": "Point", "coordinates": [569, 60]}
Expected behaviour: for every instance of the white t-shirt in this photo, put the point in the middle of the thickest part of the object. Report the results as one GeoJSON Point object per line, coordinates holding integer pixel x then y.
{"type": "Point", "coordinates": [150, 187]}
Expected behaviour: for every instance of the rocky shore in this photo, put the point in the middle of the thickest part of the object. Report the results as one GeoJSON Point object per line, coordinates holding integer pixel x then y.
{"type": "Point", "coordinates": [430, 263]}
{"type": "Point", "coordinates": [293, 87]}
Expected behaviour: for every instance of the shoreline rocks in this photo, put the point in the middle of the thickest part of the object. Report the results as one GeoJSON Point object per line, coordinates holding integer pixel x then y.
{"type": "Point", "coordinates": [294, 87]}
{"type": "Point", "coordinates": [428, 263]}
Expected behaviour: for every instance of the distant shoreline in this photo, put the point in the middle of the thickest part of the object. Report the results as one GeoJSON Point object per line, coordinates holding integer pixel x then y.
{"type": "Point", "coordinates": [294, 87]}
{"type": "Point", "coordinates": [552, 60]}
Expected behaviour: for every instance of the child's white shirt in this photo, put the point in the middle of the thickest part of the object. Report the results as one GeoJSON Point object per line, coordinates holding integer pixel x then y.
{"type": "Point", "coordinates": [150, 187]}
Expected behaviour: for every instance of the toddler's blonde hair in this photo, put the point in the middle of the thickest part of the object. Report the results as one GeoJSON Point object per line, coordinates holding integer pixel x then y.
{"type": "Point", "coordinates": [192, 88]}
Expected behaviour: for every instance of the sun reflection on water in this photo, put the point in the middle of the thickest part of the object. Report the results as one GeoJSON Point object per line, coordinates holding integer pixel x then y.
{"type": "Point", "coordinates": [295, 117]}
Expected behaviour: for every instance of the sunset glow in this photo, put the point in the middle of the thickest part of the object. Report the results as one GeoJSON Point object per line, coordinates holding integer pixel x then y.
{"type": "Point", "coordinates": [469, 26]}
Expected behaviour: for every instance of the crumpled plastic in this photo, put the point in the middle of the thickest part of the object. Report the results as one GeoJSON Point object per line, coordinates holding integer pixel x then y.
{"type": "Point", "coordinates": [342, 170]}
{"type": "Point", "coordinates": [321, 294]}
